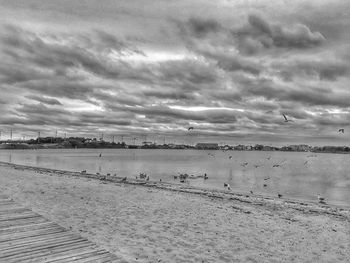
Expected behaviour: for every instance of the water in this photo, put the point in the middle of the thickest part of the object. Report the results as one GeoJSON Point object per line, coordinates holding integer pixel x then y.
{"type": "Point", "coordinates": [297, 175]}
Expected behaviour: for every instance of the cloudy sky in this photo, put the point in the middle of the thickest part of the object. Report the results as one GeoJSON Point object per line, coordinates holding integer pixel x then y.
{"type": "Point", "coordinates": [229, 68]}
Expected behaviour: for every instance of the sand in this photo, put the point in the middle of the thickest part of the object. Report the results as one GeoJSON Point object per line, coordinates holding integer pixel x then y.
{"type": "Point", "coordinates": [170, 223]}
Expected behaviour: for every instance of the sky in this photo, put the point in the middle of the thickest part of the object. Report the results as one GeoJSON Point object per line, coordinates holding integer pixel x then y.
{"type": "Point", "coordinates": [151, 69]}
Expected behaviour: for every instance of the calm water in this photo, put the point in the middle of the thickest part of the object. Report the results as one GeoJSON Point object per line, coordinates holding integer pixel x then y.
{"type": "Point", "coordinates": [299, 175]}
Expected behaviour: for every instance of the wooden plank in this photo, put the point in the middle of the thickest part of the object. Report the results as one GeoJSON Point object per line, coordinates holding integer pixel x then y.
{"type": "Point", "coordinates": [97, 257]}
{"type": "Point", "coordinates": [29, 227]}
{"type": "Point", "coordinates": [11, 206]}
{"type": "Point", "coordinates": [46, 251]}
{"type": "Point", "coordinates": [66, 256]}
{"type": "Point", "coordinates": [28, 249]}
{"type": "Point", "coordinates": [14, 216]}
{"type": "Point", "coordinates": [30, 234]}
{"type": "Point", "coordinates": [13, 210]}
{"type": "Point", "coordinates": [3, 196]}
{"type": "Point", "coordinates": [36, 241]}
{"type": "Point", "coordinates": [21, 222]}
{"type": "Point", "coordinates": [26, 237]}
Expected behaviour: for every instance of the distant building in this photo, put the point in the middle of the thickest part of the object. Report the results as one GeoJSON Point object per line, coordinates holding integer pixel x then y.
{"type": "Point", "coordinates": [147, 143]}
{"type": "Point", "coordinates": [207, 146]}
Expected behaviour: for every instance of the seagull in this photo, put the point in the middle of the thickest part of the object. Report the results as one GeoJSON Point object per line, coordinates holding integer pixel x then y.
{"type": "Point", "coordinates": [226, 185]}
{"type": "Point", "coordinates": [341, 130]}
{"type": "Point", "coordinates": [279, 195]}
{"type": "Point", "coordinates": [190, 128]}
{"type": "Point", "coordinates": [100, 155]}
{"type": "Point", "coordinates": [251, 192]}
{"type": "Point", "coordinates": [321, 199]}
{"type": "Point", "coordinates": [285, 118]}
{"type": "Point", "coordinates": [206, 176]}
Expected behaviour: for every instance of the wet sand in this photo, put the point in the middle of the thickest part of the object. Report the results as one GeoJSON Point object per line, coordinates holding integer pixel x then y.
{"type": "Point", "coordinates": [159, 222]}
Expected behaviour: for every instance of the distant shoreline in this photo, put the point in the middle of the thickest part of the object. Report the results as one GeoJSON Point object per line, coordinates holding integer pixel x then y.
{"type": "Point", "coordinates": [316, 149]}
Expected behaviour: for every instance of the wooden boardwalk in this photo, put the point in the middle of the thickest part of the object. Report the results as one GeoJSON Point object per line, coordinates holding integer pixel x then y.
{"type": "Point", "coordinates": [26, 236]}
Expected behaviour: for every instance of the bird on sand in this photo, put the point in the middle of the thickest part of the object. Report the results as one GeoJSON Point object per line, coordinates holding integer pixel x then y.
{"type": "Point", "coordinates": [341, 130]}
{"type": "Point", "coordinates": [230, 157]}
{"type": "Point", "coordinates": [124, 179]}
{"type": "Point", "coordinates": [190, 128]}
{"type": "Point", "coordinates": [279, 195]}
{"type": "Point", "coordinates": [251, 192]}
{"type": "Point", "coordinates": [100, 155]}
{"type": "Point", "coordinates": [285, 119]}
{"type": "Point", "coordinates": [321, 199]}
{"type": "Point", "coordinates": [227, 185]}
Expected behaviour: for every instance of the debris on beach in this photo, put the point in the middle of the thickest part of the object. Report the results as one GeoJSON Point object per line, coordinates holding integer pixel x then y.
{"type": "Point", "coordinates": [143, 175]}
{"type": "Point", "coordinates": [321, 199]}
{"type": "Point", "coordinates": [244, 164]}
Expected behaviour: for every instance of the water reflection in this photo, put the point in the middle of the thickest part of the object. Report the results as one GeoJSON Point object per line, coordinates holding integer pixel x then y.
{"type": "Point", "coordinates": [297, 175]}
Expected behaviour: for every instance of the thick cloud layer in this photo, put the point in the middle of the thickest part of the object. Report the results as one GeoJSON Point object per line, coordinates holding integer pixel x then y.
{"type": "Point", "coordinates": [223, 68]}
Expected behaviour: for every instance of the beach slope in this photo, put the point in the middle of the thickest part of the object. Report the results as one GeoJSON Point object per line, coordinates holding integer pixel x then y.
{"type": "Point", "coordinates": [152, 224]}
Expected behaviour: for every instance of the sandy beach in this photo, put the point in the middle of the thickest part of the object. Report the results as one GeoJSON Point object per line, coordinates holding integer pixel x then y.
{"type": "Point", "coordinates": [159, 222]}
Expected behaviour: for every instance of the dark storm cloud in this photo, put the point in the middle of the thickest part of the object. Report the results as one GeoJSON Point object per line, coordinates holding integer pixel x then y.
{"type": "Point", "coordinates": [200, 27]}
{"type": "Point", "coordinates": [168, 94]}
{"type": "Point", "coordinates": [321, 69]}
{"type": "Point", "coordinates": [123, 68]}
{"type": "Point", "coordinates": [307, 95]}
{"type": "Point", "coordinates": [278, 35]}
{"type": "Point", "coordinates": [66, 51]}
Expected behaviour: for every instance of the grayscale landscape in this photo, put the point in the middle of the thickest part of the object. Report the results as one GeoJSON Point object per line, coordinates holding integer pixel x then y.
{"type": "Point", "coordinates": [174, 131]}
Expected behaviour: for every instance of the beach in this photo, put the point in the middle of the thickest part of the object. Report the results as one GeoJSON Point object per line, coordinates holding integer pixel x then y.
{"type": "Point", "coordinates": [157, 222]}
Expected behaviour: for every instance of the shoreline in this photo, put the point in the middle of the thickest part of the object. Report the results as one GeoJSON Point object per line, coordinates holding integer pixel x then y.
{"type": "Point", "coordinates": [145, 221]}
{"type": "Point", "coordinates": [305, 206]}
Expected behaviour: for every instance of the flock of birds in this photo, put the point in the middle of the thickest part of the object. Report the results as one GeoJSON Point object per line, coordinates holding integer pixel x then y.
{"type": "Point", "coordinates": [184, 176]}
{"type": "Point", "coordinates": [226, 185]}
{"type": "Point", "coordinates": [342, 130]}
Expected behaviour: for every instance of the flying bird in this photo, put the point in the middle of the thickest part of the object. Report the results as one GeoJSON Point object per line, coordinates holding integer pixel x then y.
{"type": "Point", "coordinates": [190, 128]}
{"type": "Point", "coordinates": [341, 130]}
{"type": "Point", "coordinates": [285, 118]}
